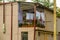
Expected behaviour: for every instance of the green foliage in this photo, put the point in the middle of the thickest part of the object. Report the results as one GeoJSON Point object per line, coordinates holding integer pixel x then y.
{"type": "Point", "coordinates": [58, 12]}
{"type": "Point", "coordinates": [48, 4]}
{"type": "Point", "coordinates": [58, 15]}
{"type": "Point", "coordinates": [0, 0]}
{"type": "Point", "coordinates": [14, 0]}
{"type": "Point", "coordinates": [44, 2]}
{"type": "Point", "coordinates": [36, 1]}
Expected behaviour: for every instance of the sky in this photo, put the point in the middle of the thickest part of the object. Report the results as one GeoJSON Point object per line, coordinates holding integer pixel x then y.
{"type": "Point", "coordinates": [57, 2]}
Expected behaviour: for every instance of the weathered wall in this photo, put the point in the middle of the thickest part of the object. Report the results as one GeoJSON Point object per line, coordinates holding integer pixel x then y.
{"type": "Point", "coordinates": [58, 24]}
{"type": "Point", "coordinates": [8, 15]}
{"type": "Point", "coordinates": [49, 20]}
{"type": "Point", "coordinates": [43, 36]}
{"type": "Point", "coordinates": [50, 37]}
{"type": "Point", "coordinates": [15, 21]}
{"type": "Point", "coordinates": [17, 32]}
{"type": "Point", "coordinates": [30, 31]}
{"type": "Point", "coordinates": [58, 28]}
{"type": "Point", "coordinates": [7, 22]}
{"type": "Point", "coordinates": [1, 23]}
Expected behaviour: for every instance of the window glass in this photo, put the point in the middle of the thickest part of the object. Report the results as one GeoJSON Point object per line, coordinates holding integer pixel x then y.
{"type": "Point", "coordinates": [24, 35]}
{"type": "Point", "coordinates": [38, 33]}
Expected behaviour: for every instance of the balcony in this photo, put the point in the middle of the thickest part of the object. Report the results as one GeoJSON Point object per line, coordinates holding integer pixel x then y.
{"type": "Point", "coordinates": [28, 16]}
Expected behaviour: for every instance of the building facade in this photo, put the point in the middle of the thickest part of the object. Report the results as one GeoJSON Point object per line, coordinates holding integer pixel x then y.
{"type": "Point", "coordinates": [24, 21]}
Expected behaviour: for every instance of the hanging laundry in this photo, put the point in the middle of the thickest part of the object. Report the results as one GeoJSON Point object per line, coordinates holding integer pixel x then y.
{"type": "Point", "coordinates": [20, 14]}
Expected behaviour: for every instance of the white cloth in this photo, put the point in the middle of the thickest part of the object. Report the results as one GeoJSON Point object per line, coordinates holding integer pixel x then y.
{"type": "Point", "coordinates": [29, 16]}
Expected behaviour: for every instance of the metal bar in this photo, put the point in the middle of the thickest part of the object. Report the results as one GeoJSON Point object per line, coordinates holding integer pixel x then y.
{"type": "Point", "coordinates": [34, 21]}
{"type": "Point", "coordinates": [55, 20]}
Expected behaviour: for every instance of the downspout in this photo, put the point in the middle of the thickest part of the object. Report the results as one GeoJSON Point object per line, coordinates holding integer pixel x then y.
{"type": "Point", "coordinates": [34, 20]}
{"type": "Point", "coordinates": [11, 20]}
{"type": "Point", "coordinates": [4, 29]}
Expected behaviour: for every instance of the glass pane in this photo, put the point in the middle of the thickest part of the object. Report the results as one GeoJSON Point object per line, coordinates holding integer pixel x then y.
{"type": "Point", "coordinates": [24, 35]}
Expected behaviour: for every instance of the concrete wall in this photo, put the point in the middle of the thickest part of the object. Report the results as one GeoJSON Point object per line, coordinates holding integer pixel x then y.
{"type": "Point", "coordinates": [7, 34]}
{"type": "Point", "coordinates": [1, 23]}
{"type": "Point", "coordinates": [58, 24]}
{"type": "Point", "coordinates": [50, 37]}
{"type": "Point", "coordinates": [49, 20]}
{"type": "Point", "coordinates": [58, 28]}
{"type": "Point", "coordinates": [7, 22]}
{"type": "Point", "coordinates": [30, 31]}
{"type": "Point", "coordinates": [43, 36]}
{"type": "Point", "coordinates": [15, 21]}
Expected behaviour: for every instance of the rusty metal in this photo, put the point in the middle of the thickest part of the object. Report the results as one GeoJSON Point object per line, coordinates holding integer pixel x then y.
{"type": "Point", "coordinates": [4, 27]}
{"type": "Point", "coordinates": [34, 21]}
{"type": "Point", "coordinates": [3, 13]}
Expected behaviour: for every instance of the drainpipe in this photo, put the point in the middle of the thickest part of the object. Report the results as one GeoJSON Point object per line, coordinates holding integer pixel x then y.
{"type": "Point", "coordinates": [34, 20]}
{"type": "Point", "coordinates": [4, 29]}
{"type": "Point", "coordinates": [11, 20]}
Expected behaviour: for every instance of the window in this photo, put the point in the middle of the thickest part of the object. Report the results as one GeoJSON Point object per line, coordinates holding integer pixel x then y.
{"type": "Point", "coordinates": [25, 15]}
{"type": "Point", "coordinates": [38, 33]}
{"type": "Point", "coordinates": [24, 35]}
{"type": "Point", "coordinates": [40, 18]}
{"type": "Point", "coordinates": [52, 35]}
